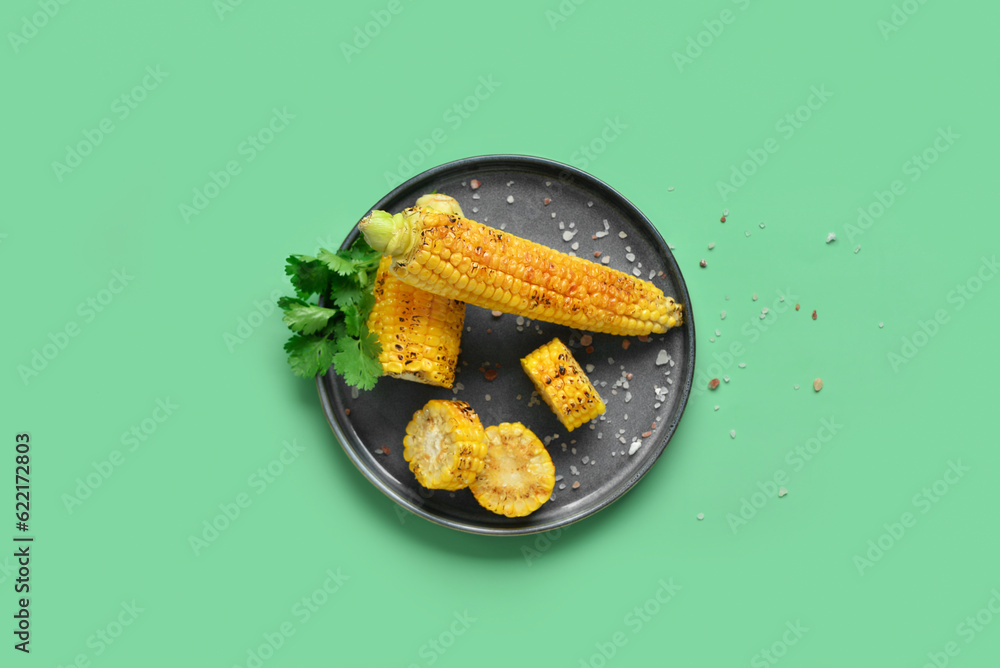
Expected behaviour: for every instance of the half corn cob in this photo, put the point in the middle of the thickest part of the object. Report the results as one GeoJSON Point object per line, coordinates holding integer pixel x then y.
{"type": "Point", "coordinates": [420, 332]}
{"type": "Point", "coordinates": [563, 385]}
{"type": "Point", "coordinates": [459, 258]}
{"type": "Point", "coordinates": [445, 444]}
{"type": "Point", "coordinates": [518, 474]}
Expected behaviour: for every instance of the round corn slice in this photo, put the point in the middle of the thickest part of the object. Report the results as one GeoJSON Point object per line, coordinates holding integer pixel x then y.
{"type": "Point", "coordinates": [445, 445]}
{"type": "Point", "coordinates": [518, 475]}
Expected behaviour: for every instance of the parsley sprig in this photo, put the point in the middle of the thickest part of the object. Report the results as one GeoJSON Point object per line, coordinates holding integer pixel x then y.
{"type": "Point", "coordinates": [335, 334]}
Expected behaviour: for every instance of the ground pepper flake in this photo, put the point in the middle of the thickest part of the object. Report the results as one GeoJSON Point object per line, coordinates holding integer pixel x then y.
{"type": "Point", "coordinates": [547, 201]}
{"type": "Point", "coordinates": [714, 383]}
{"type": "Point", "coordinates": [490, 374]}
{"type": "Point", "coordinates": [347, 411]}
{"type": "Point", "coordinates": [626, 343]}
{"type": "Point", "coordinates": [475, 183]}
{"type": "Point", "coordinates": [796, 307]}
{"type": "Point", "coordinates": [597, 253]}
{"type": "Point", "coordinates": [589, 349]}
{"type": "Point", "coordinates": [647, 434]}
{"type": "Point", "coordinates": [703, 264]}
{"type": "Point", "coordinates": [644, 338]}
{"type": "Point", "coordinates": [814, 315]}
{"type": "Point", "coordinates": [385, 450]}
{"type": "Point", "coordinates": [722, 220]}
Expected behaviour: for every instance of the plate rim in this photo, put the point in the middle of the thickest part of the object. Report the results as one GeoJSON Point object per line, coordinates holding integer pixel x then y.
{"type": "Point", "coordinates": [508, 160]}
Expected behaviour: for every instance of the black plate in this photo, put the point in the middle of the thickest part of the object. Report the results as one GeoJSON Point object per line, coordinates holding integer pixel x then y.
{"type": "Point", "coordinates": [379, 417]}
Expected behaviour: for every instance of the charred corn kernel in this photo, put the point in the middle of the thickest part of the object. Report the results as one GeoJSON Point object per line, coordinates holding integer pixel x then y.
{"type": "Point", "coordinates": [420, 332]}
{"type": "Point", "coordinates": [445, 444]}
{"type": "Point", "coordinates": [563, 385]}
{"type": "Point", "coordinates": [495, 270]}
{"type": "Point", "coordinates": [518, 474]}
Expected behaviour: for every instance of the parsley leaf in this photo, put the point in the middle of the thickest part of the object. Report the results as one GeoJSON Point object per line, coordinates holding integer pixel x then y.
{"type": "Point", "coordinates": [354, 365]}
{"type": "Point", "coordinates": [335, 334]}
{"type": "Point", "coordinates": [344, 291]}
{"type": "Point", "coordinates": [305, 318]}
{"type": "Point", "coordinates": [308, 275]}
{"type": "Point", "coordinates": [310, 355]}
{"type": "Point", "coordinates": [339, 262]}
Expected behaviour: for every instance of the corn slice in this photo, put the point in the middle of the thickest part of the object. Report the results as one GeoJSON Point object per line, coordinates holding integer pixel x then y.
{"type": "Point", "coordinates": [518, 475]}
{"type": "Point", "coordinates": [445, 444]}
{"type": "Point", "coordinates": [563, 385]}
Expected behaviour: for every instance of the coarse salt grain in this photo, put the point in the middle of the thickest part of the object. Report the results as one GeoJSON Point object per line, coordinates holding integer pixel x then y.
{"type": "Point", "coordinates": [510, 199]}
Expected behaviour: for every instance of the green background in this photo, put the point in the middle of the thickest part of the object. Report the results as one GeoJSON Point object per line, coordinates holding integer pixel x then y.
{"type": "Point", "coordinates": [560, 72]}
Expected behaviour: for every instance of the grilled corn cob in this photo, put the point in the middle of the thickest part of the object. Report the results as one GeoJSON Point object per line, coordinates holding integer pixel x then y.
{"type": "Point", "coordinates": [563, 385]}
{"type": "Point", "coordinates": [459, 258]}
{"type": "Point", "coordinates": [420, 332]}
{"type": "Point", "coordinates": [518, 475]}
{"type": "Point", "coordinates": [445, 445]}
